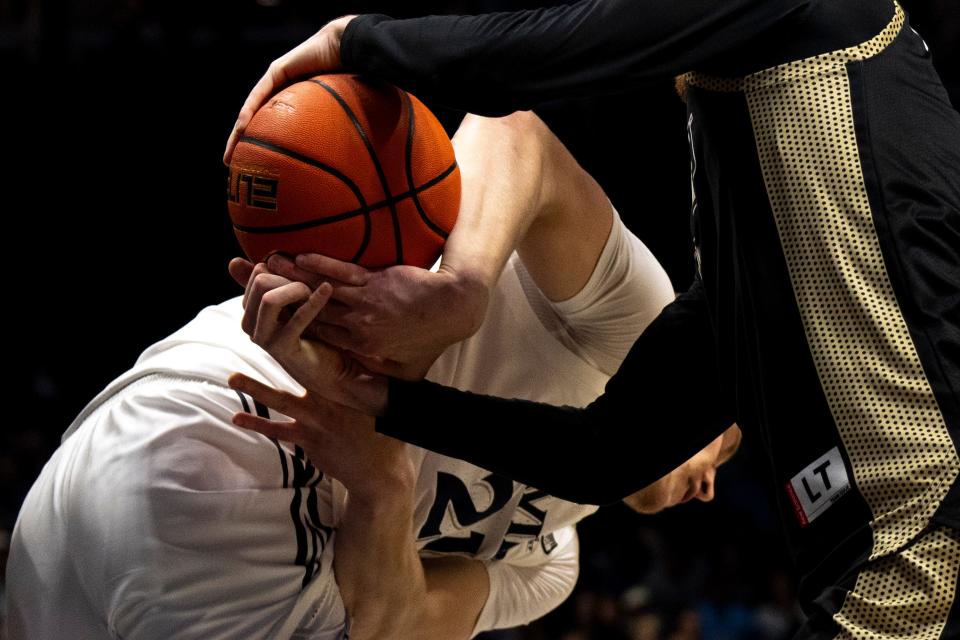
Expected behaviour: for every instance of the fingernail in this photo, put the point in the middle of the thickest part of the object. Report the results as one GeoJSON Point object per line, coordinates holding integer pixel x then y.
{"type": "Point", "coordinates": [277, 257]}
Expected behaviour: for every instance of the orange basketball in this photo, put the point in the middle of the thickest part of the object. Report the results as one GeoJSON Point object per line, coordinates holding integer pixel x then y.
{"type": "Point", "coordinates": [356, 170]}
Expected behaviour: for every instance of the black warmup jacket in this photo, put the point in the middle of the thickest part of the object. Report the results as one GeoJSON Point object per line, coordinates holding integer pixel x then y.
{"type": "Point", "coordinates": [825, 162]}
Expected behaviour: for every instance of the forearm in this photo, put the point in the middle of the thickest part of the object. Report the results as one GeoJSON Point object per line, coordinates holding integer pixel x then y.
{"type": "Point", "coordinates": [376, 565]}
{"type": "Point", "coordinates": [497, 63]}
{"type": "Point", "coordinates": [466, 596]}
{"type": "Point", "coordinates": [527, 193]}
{"type": "Point", "coordinates": [506, 187]}
{"type": "Point", "coordinates": [501, 163]}
{"type": "Point", "coordinates": [664, 404]}
{"type": "Point", "coordinates": [389, 592]}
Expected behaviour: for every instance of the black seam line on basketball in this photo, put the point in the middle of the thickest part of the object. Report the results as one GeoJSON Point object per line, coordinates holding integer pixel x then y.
{"type": "Point", "coordinates": [269, 146]}
{"type": "Point", "coordinates": [409, 168]}
{"type": "Point", "coordinates": [284, 228]}
{"type": "Point", "coordinates": [367, 224]}
{"type": "Point", "coordinates": [376, 164]}
{"type": "Point", "coordinates": [367, 233]}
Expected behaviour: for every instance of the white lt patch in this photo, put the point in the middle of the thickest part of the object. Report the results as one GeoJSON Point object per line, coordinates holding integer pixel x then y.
{"type": "Point", "coordinates": [818, 486]}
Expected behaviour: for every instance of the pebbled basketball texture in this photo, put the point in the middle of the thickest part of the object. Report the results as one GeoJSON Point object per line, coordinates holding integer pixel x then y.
{"type": "Point", "coordinates": [357, 170]}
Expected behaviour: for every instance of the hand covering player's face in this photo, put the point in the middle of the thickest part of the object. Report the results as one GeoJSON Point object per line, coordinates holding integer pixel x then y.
{"type": "Point", "coordinates": [693, 480]}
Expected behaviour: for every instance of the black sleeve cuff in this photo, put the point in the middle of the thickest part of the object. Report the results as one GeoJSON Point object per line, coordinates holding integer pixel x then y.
{"type": "Point", "coordinates": [352, 56]}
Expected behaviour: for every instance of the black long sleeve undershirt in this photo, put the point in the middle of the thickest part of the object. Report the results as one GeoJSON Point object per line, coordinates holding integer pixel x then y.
{"type": "Point", "coordinates": [665, 402]}
{"type": "Point", "coordinates": [496, 63]}
{"type": "Point", "coordinates": [662, 406]}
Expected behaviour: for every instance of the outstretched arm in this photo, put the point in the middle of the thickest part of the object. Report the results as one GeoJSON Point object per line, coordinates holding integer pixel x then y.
{"type": "Point", "coordinates": [501, 62]}
{"type": "Point", "coordinates": [318, 53]}
{"type": "Point", "coordinates": [664, 405]}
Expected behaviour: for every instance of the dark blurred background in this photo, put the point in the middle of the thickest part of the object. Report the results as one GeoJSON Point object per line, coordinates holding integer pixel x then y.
{"type": "Point", "coordinates": [114, 115]}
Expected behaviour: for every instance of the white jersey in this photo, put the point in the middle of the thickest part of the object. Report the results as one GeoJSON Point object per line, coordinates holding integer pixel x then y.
{"type": "Point", "coordinates": [158, 518]}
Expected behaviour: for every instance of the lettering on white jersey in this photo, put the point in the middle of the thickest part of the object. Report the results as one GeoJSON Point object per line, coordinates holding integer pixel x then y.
{"type": "Point", "coordinates": [527, 523]}
{"type": "Point", "coordinates": [451, 491]}
{"type": "Point", "coordinates": [549, 543]}
{"type": "Point", "coordinates": [454, 509]}
{"type": "Point", "coordinates": [818, 486]}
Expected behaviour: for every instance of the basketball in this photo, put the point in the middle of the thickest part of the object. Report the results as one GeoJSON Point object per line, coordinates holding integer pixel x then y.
{"type": "Point", "coordinates": [356, 170]}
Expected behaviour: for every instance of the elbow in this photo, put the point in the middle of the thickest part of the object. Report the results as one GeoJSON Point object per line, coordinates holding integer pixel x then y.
{"type": "Point", "coordinates": [386, 618]}
{"type": "Point", "coordinates": [524, 131]}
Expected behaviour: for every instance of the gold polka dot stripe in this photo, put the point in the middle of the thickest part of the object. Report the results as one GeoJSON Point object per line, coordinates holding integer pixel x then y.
{"type": "Point", "coordinates": [906, 595]}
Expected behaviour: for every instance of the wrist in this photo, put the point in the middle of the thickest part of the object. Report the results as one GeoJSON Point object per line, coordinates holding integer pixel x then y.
{"type": "Point", "coordinates": [367, 394]}
{"type": "Point", "coordinates": [336, 29]}
{"type": "Point", "coordinates": [469, 291]}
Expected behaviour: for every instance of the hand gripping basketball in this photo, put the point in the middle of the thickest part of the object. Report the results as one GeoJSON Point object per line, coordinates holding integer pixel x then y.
{"type": "Point", "coordinates": [357, 170]}
{"type": "Point", "coordinates": [318, 53]}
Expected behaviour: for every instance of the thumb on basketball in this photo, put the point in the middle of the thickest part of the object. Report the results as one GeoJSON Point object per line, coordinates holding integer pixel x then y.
{"type": "Point", "coordinates": [284, 266]}
{"type": "Point", "coordinates": [318, 53]}
{"type": "Point", "coordinates": [346, 273]}
{"type": "Point", "coordinates": [280, 72]}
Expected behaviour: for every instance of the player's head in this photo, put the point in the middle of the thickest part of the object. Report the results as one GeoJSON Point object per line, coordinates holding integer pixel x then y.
{"type": "Point", "coordinates": [693, 480]}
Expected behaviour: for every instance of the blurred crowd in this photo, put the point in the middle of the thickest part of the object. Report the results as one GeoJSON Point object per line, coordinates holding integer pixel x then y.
{"type": "Point", "coordinates": [700, 571]}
